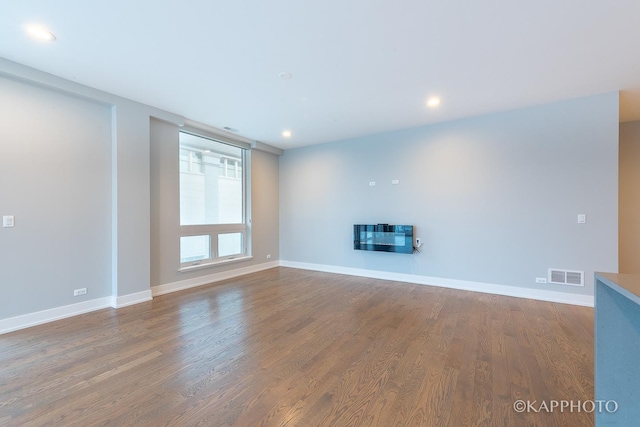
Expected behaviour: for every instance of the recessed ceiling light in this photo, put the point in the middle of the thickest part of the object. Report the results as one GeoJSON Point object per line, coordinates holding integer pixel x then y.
{"type": "Point", "coordinates": [40, 33]}
{"type": "Point", "coordinates": [286, 75]}
{"type": "Point", "coordinates": [433, 102]}
{"type": "Point", "coordinates": [286, 133]}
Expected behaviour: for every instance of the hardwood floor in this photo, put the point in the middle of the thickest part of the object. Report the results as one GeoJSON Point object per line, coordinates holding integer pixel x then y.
{"type": "Point", "coordinates": [289, 347]}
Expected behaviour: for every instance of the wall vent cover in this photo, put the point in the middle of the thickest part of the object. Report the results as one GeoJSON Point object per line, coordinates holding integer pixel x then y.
{"type": "Point", "coordinates": [566, 277]}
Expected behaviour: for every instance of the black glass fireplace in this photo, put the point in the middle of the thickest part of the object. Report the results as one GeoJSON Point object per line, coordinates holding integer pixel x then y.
{"type": "Point", "coordinates": [383, 237]}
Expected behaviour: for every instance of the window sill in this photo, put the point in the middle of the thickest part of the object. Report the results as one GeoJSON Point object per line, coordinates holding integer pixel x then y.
{"type": "Point", "coordinates": [215, 263]}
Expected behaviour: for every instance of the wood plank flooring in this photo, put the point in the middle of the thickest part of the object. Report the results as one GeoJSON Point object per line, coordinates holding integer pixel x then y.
{"type": "Point", "coordinates": [289, 347]}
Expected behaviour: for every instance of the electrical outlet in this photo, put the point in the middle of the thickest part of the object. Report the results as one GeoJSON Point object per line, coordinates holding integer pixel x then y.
{"type": "Point", "coordinates": [541, 280]}
{"type": "Point", "coordinates": [418, 242]}
{"type": "Point", "coordinates": [268, 256]}
{"type": "Point", "coordinates": [78, 292]}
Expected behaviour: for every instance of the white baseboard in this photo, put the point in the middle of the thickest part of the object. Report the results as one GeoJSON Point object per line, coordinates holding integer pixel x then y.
{"type": "Point", "coordinates": [32, 319]}
{"type": "Point", "coordinates": [488, 288]}
{"type": "Point", "coordinates": [52, 314]}
{"type": "Point", "coordinates": [131, 299]}
{"type": "Point", "coordinates": [211, 278]}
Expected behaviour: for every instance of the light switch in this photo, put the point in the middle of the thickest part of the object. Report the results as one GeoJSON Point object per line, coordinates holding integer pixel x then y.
{"type": "Point", "coordinates": [582, 218]}
{"type": "Point", "coordinates": [7, 221]}
{"type": "Point", "coordinates": [395, 181]}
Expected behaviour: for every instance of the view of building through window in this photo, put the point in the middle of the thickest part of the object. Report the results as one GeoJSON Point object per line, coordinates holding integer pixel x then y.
{"type": "Point", "coordinates": [212, 204]}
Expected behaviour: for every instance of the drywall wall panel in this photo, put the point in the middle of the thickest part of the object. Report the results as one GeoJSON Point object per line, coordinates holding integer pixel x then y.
{"type": "Point", "coordinates": [629, 197]}
{"type": "Point", "coordinates": [55, 161]}
{"type": "Point", "coordinates": [495, 199]}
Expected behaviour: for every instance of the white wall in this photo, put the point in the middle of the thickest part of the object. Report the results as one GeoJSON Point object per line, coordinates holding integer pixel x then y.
{"type": "Point", "coordinates": [630, 197]}
{"type": "Point", "coordinates": [495, 198]}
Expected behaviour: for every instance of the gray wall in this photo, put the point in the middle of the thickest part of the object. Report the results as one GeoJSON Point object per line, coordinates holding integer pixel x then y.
{"type": "Point", "coordinates": [265, 206]}
{"type": "Point", "coordinates": [165, 212]}
{"type": "Point", "coordinates": [75, 170]}
{"type": "Point", "coordinates": [630, 197]}
{"type": "Point", "coordinates": [494, 198]}
{"type": "Point", "coordinates": [130, 198]}
{"type": "Point", "coordinates": [55, 161]}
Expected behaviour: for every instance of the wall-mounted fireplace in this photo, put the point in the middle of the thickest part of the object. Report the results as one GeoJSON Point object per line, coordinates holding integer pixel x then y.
{"type": "Point", "coordinates": [383, 237]}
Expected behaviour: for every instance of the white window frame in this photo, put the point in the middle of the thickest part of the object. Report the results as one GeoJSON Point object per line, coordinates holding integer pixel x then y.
{"type": "Point", "coordinates": [213, 230]}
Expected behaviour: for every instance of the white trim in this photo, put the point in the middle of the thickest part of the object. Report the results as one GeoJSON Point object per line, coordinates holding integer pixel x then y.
{"type": "Point", "coordinates": [211, 278]}
{"type": "Point", "coordinates": [220, 261]}
{"type": "Point", "coordinates": [131, 299]}
{"type": "Point", "coordinates": [52, 314]}
{"type": "Point", "coordinates": [45, 316]}
{"type": "Point", "coordinates": [261, 146]}
{"type": "Point", "coordinates": [489, 288]}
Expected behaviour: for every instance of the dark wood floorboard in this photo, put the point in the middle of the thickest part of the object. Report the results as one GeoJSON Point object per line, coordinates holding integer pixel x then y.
{"type": "Point", "coordinates": [289, 347]}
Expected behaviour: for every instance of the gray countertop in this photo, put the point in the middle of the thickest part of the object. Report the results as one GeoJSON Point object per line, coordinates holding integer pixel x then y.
{"type": "Point", "coordinates": [626, 284]}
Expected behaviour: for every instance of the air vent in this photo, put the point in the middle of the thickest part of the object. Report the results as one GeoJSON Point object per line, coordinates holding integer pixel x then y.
{"type": "Point", "coordinates": [566, 277]}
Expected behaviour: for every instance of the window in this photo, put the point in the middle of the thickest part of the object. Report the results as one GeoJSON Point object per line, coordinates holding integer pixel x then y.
{"type": "Point", "coordinates": [213, 208]}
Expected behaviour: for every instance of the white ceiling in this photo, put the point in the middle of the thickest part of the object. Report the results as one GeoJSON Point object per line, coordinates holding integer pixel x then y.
{"type": "Point", "coordinates": [359, 66]}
